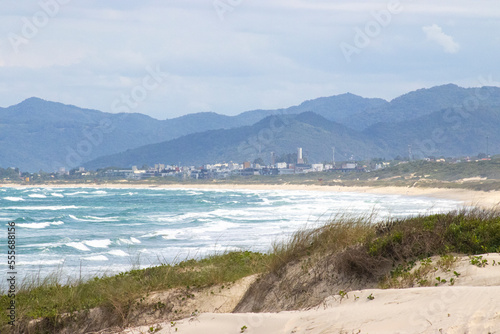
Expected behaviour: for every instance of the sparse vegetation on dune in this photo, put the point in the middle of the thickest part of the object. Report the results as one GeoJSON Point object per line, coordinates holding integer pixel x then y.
{"type": "Point", "coordinates": [119, 297]}
{"type": "Point", "coordinates": [343, 255]}
{"type": "Point", "coordinates": [350, 254]}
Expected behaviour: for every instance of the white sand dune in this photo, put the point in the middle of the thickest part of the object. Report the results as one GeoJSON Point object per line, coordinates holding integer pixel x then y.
{"type": "Point", "coordinates": [471, 305]}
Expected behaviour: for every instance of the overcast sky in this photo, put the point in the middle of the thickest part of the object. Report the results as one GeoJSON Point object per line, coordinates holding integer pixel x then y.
{"type": "Point", "coordinates": [170, 58]}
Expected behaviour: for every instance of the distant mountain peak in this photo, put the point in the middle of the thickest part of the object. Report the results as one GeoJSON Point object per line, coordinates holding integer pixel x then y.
{"type": "Point", "coordinates": [32, 100]}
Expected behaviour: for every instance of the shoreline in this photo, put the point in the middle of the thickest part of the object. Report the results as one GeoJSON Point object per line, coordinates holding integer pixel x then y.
{"type": "Point", "coordinates": [468, 197]}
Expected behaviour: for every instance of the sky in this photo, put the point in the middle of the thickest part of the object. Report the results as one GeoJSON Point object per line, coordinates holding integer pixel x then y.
{"type": "Point", "coordinates": [176, 57]}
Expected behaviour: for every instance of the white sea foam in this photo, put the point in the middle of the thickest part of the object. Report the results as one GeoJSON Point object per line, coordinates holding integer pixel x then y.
{"type": "Point", "coordinates": [99, 192]}
{"type": "Point", "coordinates": [14, 199]}
{"type": "Point", "coordinates": [117, 252]}
{"type": "Point", "coordinates": [215, 226]}
{"type": "Point", "coordinates": [34, 225]}
{"type": "Point", "coordinates": [39, 225]}
{"type": "Point", "coordinates": [46, 208]}
{"type": "Point", "coordinates": [130, 241]}
{"type": "Point", "coordinates": [57, 195]}
{"type": "Point", "coordinates": [171, 234]}
{"type": "Point", "coordinates": [101, 243]}
{"type": "Point", "coordinates": [122, 241]}
{"type": "Point", "coordinates": [93, 218]}
{"type": "Point", "coordinates": [76, 193]}
{"type": "Point", "coordinates": [96, 258]}
{"type": "Point", "coordinates": [193, 232]}
{"type": "Point", "coordinates": [78, 245]}
{"type": "Point", "coordinates": [134, 240]}
{"type": "Point", "coordinates": [37, 196]}
{"type": "Point", "coordinates": [192, 192]}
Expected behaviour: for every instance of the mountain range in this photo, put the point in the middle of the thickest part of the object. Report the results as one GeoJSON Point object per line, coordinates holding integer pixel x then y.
{"type": "Point", "coordinates": [444, 120]}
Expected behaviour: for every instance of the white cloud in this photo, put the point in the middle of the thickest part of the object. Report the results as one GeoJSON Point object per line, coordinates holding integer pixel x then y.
{"type": "Point", "coordinates": [436, 34]}
{"type": "Point", "coordinates": [264, 54]}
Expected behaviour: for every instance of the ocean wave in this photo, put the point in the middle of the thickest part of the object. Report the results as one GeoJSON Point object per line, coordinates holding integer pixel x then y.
{"type": "Point", "coordinates": [117, 252]}
{"type": "Point", "coordinates": [96, 258]}
{"type": "Point", "coordinates": [37, 196]}
{"type": "Point", "coordinates": [78, 245]}
{"type": "Point", "coordinates": [130, 241]}
{"type": "Point", "coordinates": [33, 190]}
{"type": "Point", "coordinates": [57, 195]}
{"type": "Point", "coordinates": [76, 193]}
{"type": "Point", "coordinates": [193, 232]}
{"type": "Point", "coordinates": [39, 225]}
{"type": "Point", "coordinates": [180, 218]}
{"type": "Point", "coordinates": [34, 225]}
{"type": "Point", "coordinates": [171, 235]}
{"type": "Point", "coordinates": [215, 226]}
{"type": "Point", "coordinates": [14, 199]}
{"type": "Point", "coordinates": [93, 218]}
{"type": "Point", "coordinates": [99, 192]}
{"type": "Point", "coordinates": [48, 208]}
{"type": "Point", "coordinates": [98, 243]}
{"type": "Point", "coordinates": [48, 245]}
{"type": "Point", "coordinates": [192, 192]}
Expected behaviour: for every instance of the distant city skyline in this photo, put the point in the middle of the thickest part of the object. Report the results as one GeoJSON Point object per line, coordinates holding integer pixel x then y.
{"type": "Point", "coordinates": [167, 59]}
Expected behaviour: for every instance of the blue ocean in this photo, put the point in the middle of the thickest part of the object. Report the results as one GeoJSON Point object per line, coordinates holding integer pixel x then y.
{"type": "Point", "coordinates": [83, 232]}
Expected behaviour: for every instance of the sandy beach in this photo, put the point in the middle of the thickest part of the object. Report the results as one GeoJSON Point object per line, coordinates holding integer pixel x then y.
{"type": "Point", "coordinates": [470, 305]}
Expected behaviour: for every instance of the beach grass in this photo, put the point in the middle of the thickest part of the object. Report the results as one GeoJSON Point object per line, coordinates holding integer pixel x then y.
{"type": "Point", "coordinates": [51, 300]}
{"type": "Point", "coordinates": [358, 246]}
